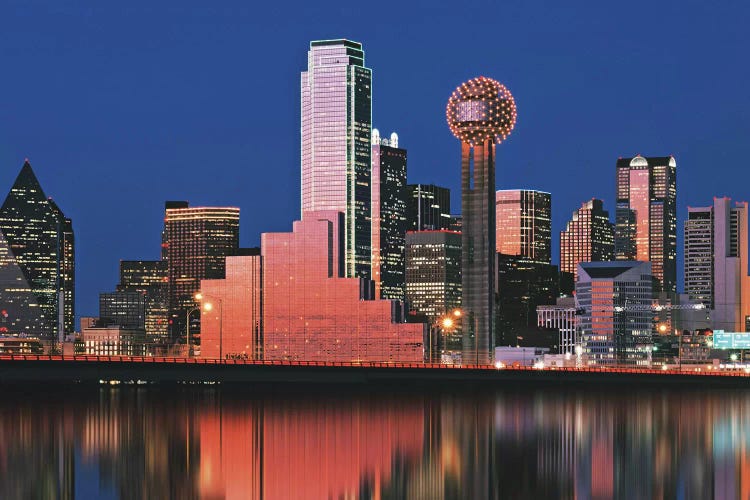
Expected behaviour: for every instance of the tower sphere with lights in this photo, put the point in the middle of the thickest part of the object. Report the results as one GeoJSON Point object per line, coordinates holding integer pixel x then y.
{"type": "Point", "coordinates": [481, 109]}
{"type": "Point", "coordinates": [481, 113]}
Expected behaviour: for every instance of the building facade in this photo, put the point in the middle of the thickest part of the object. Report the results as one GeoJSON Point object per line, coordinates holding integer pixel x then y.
{"type": "Point", "coordinates": [37, 263]}
{"type": "Point", "coordinates": [524, 224]}
{"type": "Point", "coordinates": [588, 237]}
{"type": "Point", "coordinates": [149, 277]}
{"type": "Point", "coordinates": [197, 241]}
{"type": "Point", "coordinates": [388, 216]}
{"type": "Point", "coordinates": [716, 244]}
{"type": "Point", "coordinates": [561, 317]}
{"type": "Point", "coordinates": [616, 318]}
{"type": "Point", "coordinates": [310, 313]}
{"type": "Point", "coordinates": [123, 308]}
{"type": "Point", "coordinates": [231, 321]}
{"type": "Point", "coordinates": [433, 272]}
{"type": "Point", "coordinates": [646, 215]}
{"type": "Point", "coordinates": [428, 207]}
{"type": "Point", "coordinates": [336, 127]}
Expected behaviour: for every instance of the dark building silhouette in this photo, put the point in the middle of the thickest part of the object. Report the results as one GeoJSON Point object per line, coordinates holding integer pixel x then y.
{"type": "Point", "coordinates": [388, 216]}
{"type": "Point", "coordinates": [646, 215]}
{"type": "Point", "coordinates": [428, 207]}
{"type": "Point", "coordinates": [196, 242]}
{"type": "Point", "coordinates": [521, 286]}
{"type": "Point", "coordinates": [37, 262]}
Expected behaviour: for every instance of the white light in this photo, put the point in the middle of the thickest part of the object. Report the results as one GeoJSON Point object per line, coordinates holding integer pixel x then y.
{"type": "Point", "coordinates": [499, 365]}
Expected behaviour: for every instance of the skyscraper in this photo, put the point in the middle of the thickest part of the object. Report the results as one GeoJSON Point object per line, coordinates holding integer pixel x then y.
{"type": "Point", "coordinates": [716, 245]}
{"type": "Point", "coordinates": [615, 325]}
{"type": "Point", "coordinates": [524, 224]}
{"type": "Point", "coordinates": [150, 278]}
{"type": "Point", "coordinates": [335, 146]}
{"type": "Point", "coordinates": [433, 272]}
{"type": "Point", "coordinates": [588, 237]}
{"type": "Point", "coordinates": [197, 241]}
{"type": "Point", "coordinates": [428, 207]}
{"type": "Point", "coordinates": [388, 216]}
{"type": "Point", "coordinates": [646, 215]}
{"type": "Point", "coordinates": [37, 262]}
{"type": "Point", "coordinates": [480, 113]}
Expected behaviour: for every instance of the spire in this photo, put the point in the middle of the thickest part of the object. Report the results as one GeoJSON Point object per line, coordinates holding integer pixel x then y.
{"type": "Point", "coordinates": [25, 187]}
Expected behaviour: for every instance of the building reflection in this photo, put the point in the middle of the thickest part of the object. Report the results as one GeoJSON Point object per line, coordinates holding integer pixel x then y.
{"type": "Point", "coordinates": [135, 443]}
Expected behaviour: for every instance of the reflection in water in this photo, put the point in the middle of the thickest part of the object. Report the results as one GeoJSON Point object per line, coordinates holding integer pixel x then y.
{"type": "Point", "coordinates": [146, 443]}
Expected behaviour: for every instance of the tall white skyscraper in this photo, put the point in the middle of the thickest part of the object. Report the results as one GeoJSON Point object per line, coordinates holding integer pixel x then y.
{"type": "Point", "coordinates": [336, 133]}
{"type": "Point", "coordinates": [716, 262]}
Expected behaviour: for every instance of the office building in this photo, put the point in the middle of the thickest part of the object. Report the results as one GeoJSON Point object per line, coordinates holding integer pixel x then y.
{"type": "Point", "coordinates": [716, 262]}
{"type": "Point", "coordinates": [197, 241]}
{"type": "Point", "coordinates": [615, 323]}
{"type": "Point", "coordinates": [150, 278]}
{"type": "Point", "coordinates": [521, 286]}
{"type": "Point", "coordinates": [37, 263]}
{"type": "Point", "coordinates": [231, 322]}
{"type": "Point", "coordinates": [524, 224]}
{"type": "Point", "coordinates": [428, 207]}
{"type": "Point", "coordinates": [588, 237]}
{"type": "Point", "coordinates": [335, 144]}
{"type": "Point", "coordinates": [123, 308]}
{"type": "Point", "coordinates": [433, 272]}
{"type": "Point", "coordinates": [646, 215]}
{"type": "Point", "coordinates": [311, 313]}
{"type": "Point", "coordinates": [560, 316]}
{"type": "Point", "coordinates": [114, 341]}
{"type": "Point", "coordinates": [388, 216]}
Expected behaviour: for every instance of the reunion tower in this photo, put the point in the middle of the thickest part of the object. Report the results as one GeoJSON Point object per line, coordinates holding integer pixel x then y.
{"type": "Point", "coordinates": [481, 113]}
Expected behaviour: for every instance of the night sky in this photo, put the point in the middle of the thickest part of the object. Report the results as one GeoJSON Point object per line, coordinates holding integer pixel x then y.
{"type": "Point", "coordinates": [122, 106]}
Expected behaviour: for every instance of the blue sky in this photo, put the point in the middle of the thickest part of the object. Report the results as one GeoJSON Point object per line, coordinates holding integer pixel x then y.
{"type": "Point", "coordinates": [121, 106]}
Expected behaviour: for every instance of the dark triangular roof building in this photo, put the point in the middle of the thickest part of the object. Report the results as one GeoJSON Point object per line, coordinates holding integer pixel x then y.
{"type": "Point", "coordinates": [37, 263]}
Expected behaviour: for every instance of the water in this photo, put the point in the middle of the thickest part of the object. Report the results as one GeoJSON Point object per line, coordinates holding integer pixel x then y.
{"type": "Point", "coordinates": [176, 443]}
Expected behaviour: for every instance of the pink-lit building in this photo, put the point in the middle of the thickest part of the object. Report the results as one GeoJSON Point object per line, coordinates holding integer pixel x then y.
{"type": "Point", "coordinates": [310, 312]}
{"type": "Point", "coordinates": [230, 312]}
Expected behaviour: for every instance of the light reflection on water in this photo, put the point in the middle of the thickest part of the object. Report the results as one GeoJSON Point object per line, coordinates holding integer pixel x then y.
{"type": "Point", "coordinates": [145, 443]}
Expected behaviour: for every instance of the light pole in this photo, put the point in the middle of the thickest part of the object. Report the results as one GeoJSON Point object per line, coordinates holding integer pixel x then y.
{"type": "Point", "coordinates": [208, 306]}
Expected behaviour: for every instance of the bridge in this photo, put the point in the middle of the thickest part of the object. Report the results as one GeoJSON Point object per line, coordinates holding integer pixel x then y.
{"type": "Point", "coordinates": [115, 370]}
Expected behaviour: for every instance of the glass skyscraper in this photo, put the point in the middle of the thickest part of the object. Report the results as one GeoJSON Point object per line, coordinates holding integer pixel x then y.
{"type": "Point", "coordinates": [37, 263]}
{"type": "Point", "coordinates": [588, 237]}
{"type": "Point", "coordinates": [428, 207]}
{"type": "Point", "coordinates": [524, 224]}
{"type": "Point", "coordinates": [197, 241]}
{"type": "Point", "coordinates": [150, 278]}
{"type": "Point", "coordinates": [336, 129]}
{"type": "Point", "coordinates": [646, 215]}
{"type": "Point", "coordinates": [388, 216]}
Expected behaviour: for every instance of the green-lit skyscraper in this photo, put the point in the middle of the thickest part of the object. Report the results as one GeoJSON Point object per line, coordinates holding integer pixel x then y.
{"type": "Point", "coordinates": [37, 262]}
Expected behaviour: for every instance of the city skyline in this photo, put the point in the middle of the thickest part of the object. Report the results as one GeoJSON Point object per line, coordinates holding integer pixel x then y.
{"type": "Point", "coordinates": [62, 161]}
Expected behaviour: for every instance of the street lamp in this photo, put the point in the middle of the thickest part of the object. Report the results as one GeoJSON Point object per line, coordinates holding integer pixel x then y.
{"type": "Point", "coordinates": [208, 306]}
{"type": "Point", "coordinates": [446, 322]}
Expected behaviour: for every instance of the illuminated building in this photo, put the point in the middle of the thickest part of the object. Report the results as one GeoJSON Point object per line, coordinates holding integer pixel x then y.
{"type": "Point", "coordinates": [433, 272]}
{"type": "Point", "coordinates": [480, 113]}
{"type": "Point", "coordinates": [311, 313]}
{"type": "Point", "coordinates": [150, 278]}
{"type": "Point", "coordinates": [521, 286]}
{"type": "Point", "coordinates": [37, 262]}
{"type": "Point", "coordinates": [588, 237]}
{"type": "Point", "coordinates": [562, 317]}
{"type": "Point", "coordinates": [716, 262]}
{"type": "Point", "coordinates": [388, 216]}
{"type": "Point", "coordinates": [114, 341]}
{"type": "Point", "coordinates": [231, 313]}
{"type": "Point", "coordinates": [428, 207]}
{"type": "Point", "coordinates": [524, 224]}
{"type": "Point", "coordinates": [196, 240]}
{"type": "Point", "coordinates": [123, 308]}
{"type": "Point", "coordinates": [20, 345]}
{"type": "Point", "coordinates": [616, 320]}
{"type": "Point", "coordinates": [646, 215]}
{"type": "Point", "coordinates": [335, 144]}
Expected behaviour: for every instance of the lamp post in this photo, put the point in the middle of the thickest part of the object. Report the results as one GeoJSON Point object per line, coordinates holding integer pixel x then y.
{"type": "Point", "coordinates": [208, 306]}
{"type": "Point", "coordinates": [446, 322]}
